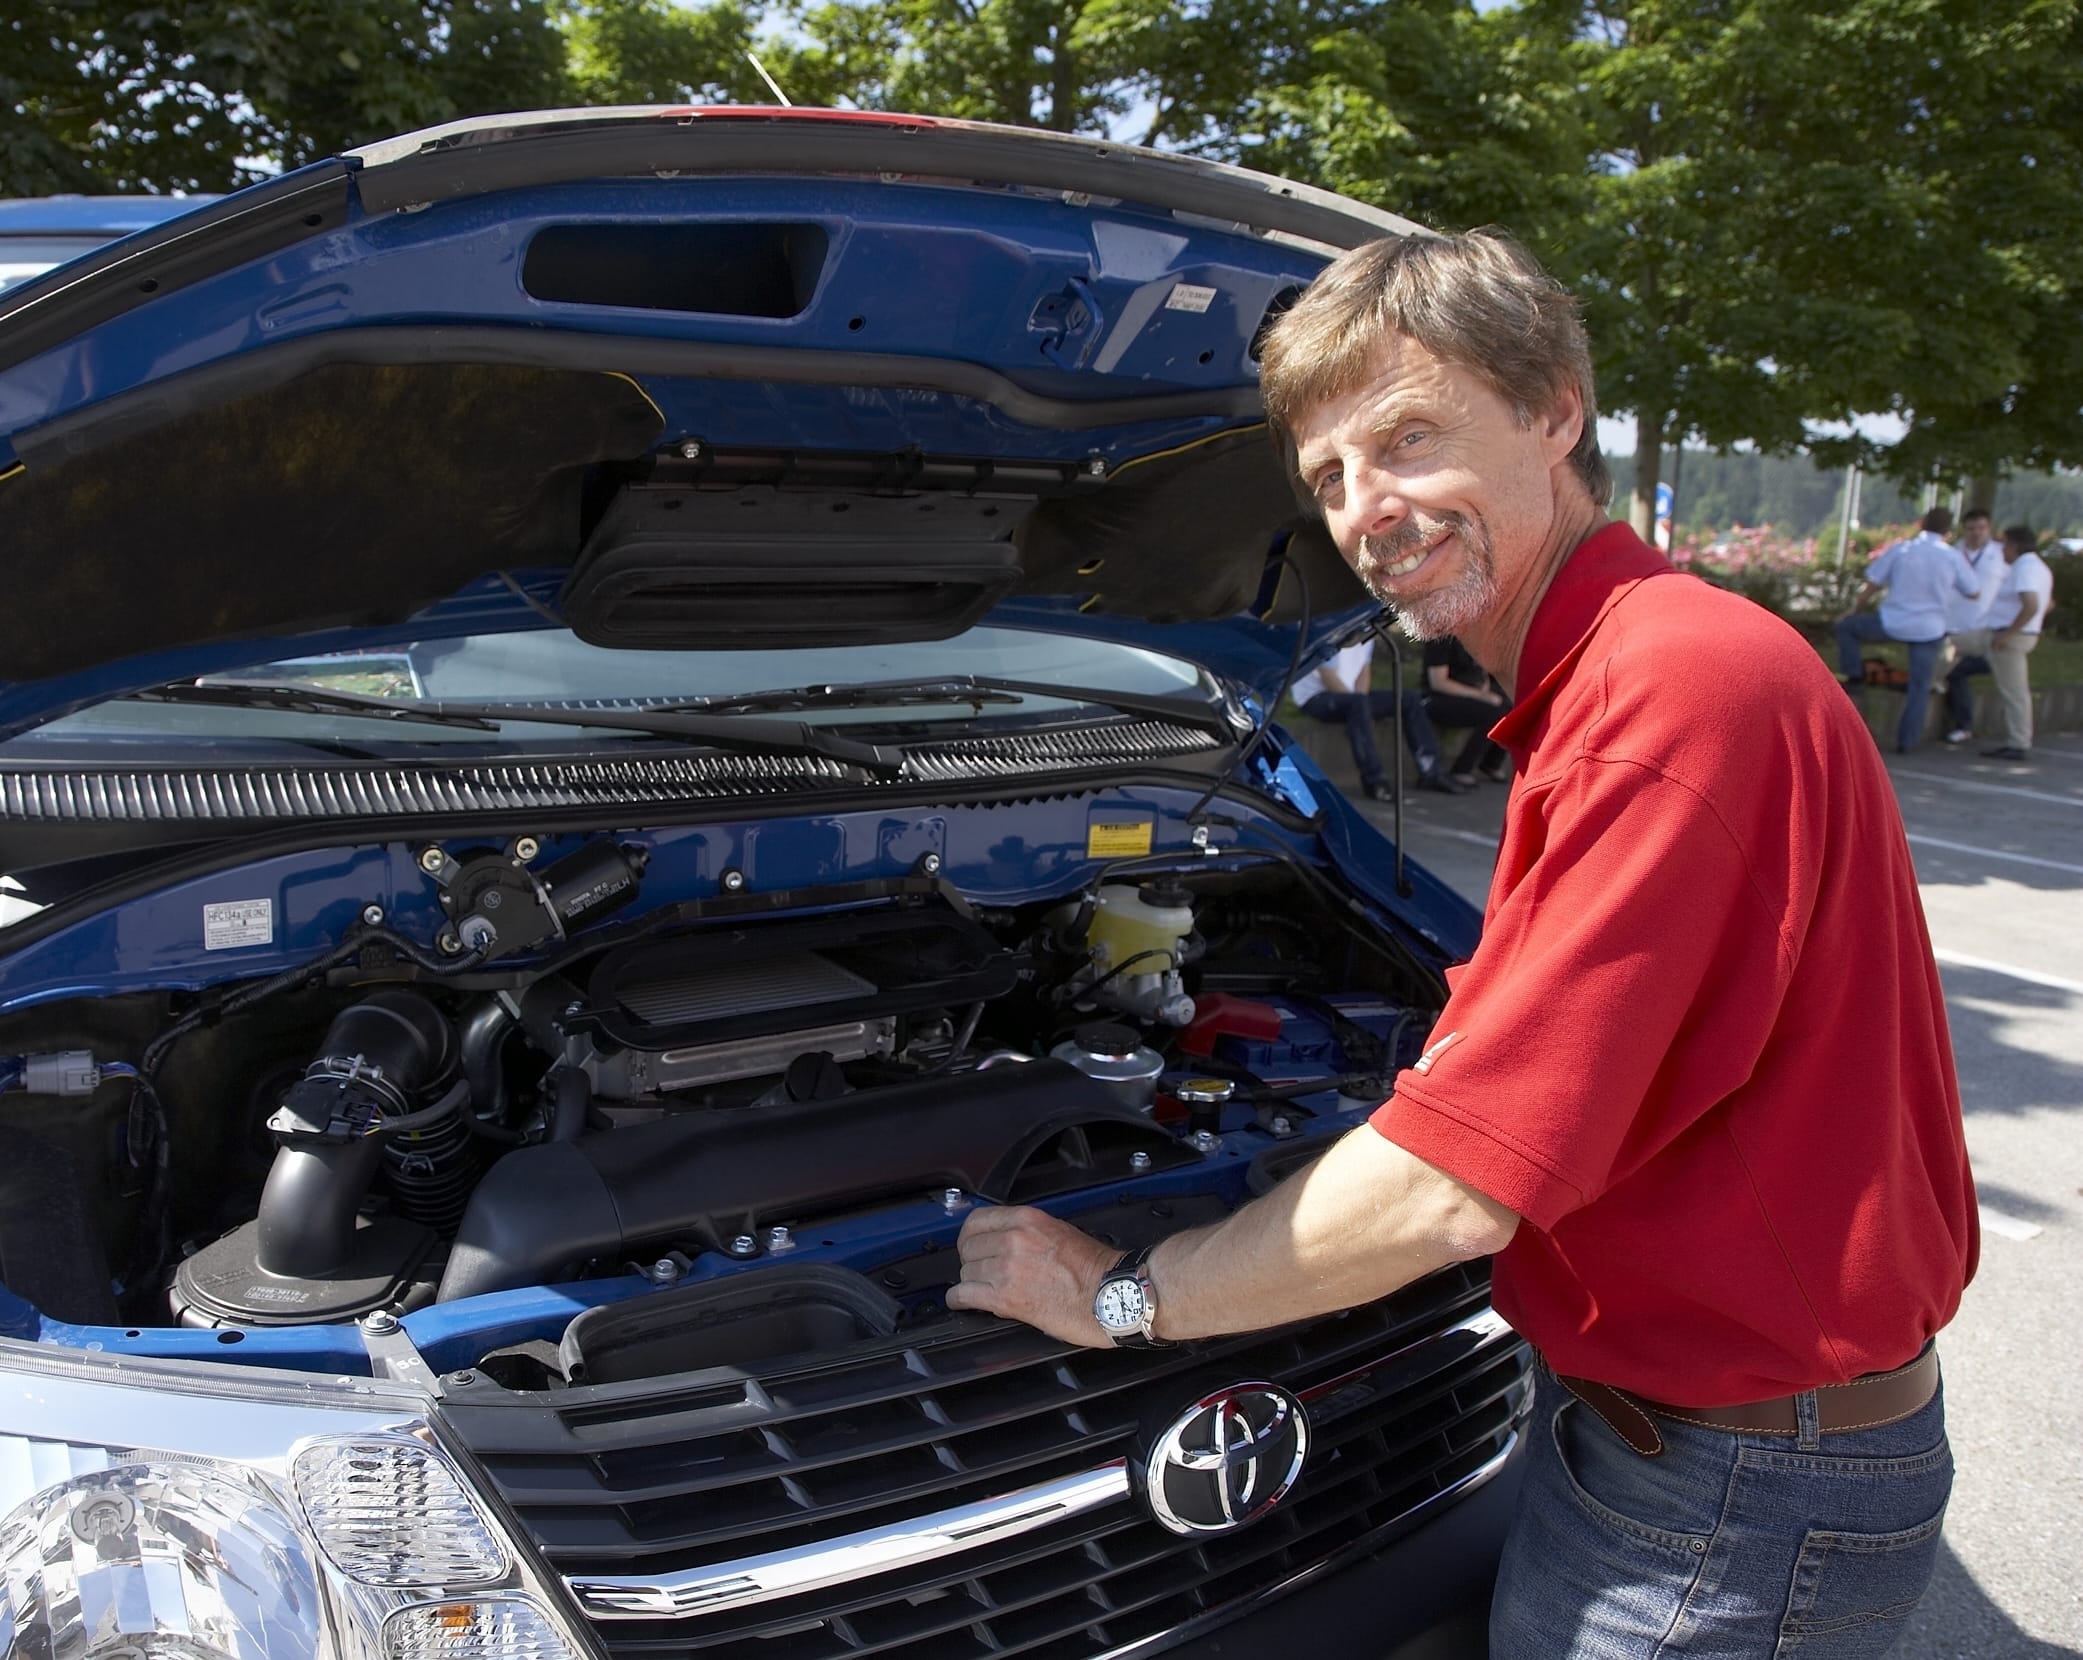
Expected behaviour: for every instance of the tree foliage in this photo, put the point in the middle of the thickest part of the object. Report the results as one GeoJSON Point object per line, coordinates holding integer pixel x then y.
{"type": "Point", "coordinates": [1792, 225]}
{"type": "Point", "coordinates": [117, 95]}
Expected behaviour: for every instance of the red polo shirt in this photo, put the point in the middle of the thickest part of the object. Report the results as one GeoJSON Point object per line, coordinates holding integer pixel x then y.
{"type": "Point", "coordinates": [1701, 1049]}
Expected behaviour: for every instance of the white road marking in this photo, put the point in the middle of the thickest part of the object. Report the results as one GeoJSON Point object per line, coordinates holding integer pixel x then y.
{"type": "Point", "coordinates": [1953, 783]}
{"type": "Point", "coordinates": [2011, 1227]}
{"type": "Point", "coordinates": [2032, 977]}
{"type": "Point", "coordinates": [1991, 853]}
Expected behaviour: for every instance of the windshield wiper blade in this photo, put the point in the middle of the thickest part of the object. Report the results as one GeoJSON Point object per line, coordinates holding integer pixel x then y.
{"type": "Point", "coordinates": [865, 694]}
{"type": "Point", "coordinates": [974, 689]}
{"type": "Point", "coordinates": [305, 700]}
{"type": "Point", "coordinates": [720, 731]}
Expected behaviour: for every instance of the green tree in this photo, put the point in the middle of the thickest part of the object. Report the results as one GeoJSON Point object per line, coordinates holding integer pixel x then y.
{"type": "Point", "coordinates": [1148, 70]}
{"type": "Point", "coordinates": [1779, 236]}
{"type": "Point", "coordinates": [2018, 151]}
{"type": "Point", "coordinates": [1431, 108]}
{"type": "Point", "coordinates": [114, 95]}
{"type": "Point", "coordinates": [655, 52]}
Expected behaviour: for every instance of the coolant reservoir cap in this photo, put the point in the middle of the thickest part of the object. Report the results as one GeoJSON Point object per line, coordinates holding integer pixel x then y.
{"type": "Point", "coordinates": [1170, 895]}
{"type": "Point", "coordinates": [1203, 1091]}
{"type": "Point", "coordinates": [1107, 1040]}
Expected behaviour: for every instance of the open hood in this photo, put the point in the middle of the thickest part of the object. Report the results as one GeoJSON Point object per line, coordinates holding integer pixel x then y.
{"type": "Point", "coordinates": [728, 376]}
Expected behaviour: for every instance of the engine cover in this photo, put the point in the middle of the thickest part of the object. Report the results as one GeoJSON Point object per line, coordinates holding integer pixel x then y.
{"type": "Point", "coordinates": [1013, 1133]}
{"type": "Point", "coordinates": [743, 1002]}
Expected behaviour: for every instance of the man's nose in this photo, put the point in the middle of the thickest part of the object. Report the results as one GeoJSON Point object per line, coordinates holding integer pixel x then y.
{"type": "Point", "coordinates": [1374, 500]}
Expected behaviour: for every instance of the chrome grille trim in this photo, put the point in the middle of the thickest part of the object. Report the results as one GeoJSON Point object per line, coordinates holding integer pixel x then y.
{"type": "Point", "coordinates": [1237, 1607]}
{"type": "Point", "coordinates": [786, 1573]}
{"type": "Point", "coordinates": [219, 795]}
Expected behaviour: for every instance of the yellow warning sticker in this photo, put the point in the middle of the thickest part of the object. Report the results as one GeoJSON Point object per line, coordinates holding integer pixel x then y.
{"type": "Point", "coordinates": [1117, 840]}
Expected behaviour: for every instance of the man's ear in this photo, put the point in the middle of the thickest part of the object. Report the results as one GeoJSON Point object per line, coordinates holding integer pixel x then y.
{"type": "Point", "coordinates": [1563, 424]}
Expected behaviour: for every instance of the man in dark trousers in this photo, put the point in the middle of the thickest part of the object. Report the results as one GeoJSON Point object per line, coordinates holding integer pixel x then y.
{"type": "Point", "coordinates": [1459, 691]}
{"type": "Point", "coordinates": [1694, 1088]}
{"type": "Point", "coordinates": [1342, 692]}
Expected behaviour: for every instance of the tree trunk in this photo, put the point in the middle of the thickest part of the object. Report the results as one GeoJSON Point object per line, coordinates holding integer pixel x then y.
{"type": "Point", "coordinates": [1649, 451]}
{"type": "Point", "coordinates": [1063, 72]}
{"type": "Point", "coordinates": [1981, 492]}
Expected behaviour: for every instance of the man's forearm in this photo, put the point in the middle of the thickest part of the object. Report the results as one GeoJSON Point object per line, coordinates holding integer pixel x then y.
{"type": "Point", "coordinates": [1363, 1220]}
{"type": "Point", "coordinates": [1366, 1218]}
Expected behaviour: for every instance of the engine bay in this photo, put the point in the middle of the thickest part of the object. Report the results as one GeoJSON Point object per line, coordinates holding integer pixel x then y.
{"type": "Point", "coordinates": [580, 1132]}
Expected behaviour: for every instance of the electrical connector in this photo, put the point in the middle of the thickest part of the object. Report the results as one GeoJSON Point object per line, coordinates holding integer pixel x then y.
{"type": "Point", "coordinates": [62, 1072]}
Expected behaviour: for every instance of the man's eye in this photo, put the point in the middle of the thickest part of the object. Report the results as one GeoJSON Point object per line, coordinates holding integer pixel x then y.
{"type": "Point", "coordinates": [1417, 435]}
{"type": "Point", "coordinates": [1328, 480]}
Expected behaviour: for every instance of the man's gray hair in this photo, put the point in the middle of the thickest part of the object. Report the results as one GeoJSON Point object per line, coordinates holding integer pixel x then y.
{"type": "Point", "coordinates": [1478, 300]}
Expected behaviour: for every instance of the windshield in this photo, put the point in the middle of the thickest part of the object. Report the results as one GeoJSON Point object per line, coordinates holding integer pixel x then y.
{"type": "Point", "coordinates": [553, 671]}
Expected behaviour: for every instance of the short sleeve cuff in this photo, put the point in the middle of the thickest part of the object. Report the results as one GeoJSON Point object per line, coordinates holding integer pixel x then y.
{"type": "Point", "coordinates": [1474, 1151]}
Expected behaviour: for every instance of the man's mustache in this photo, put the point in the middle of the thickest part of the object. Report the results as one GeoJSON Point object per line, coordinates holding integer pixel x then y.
{"type": "Point", "coordinates": [1400, 543]}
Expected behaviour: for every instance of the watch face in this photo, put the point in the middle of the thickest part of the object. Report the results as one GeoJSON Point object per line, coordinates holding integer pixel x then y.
{"type": "Point", "coordinates": [1119, 1306]}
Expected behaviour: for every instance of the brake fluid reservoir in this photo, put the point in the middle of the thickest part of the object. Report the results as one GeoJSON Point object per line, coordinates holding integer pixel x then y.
{"type": "Point", "coordinates": [1128, 921]}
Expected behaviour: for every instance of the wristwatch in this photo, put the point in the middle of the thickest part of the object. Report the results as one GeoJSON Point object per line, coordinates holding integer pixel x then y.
{"type": "Point", "coordinates": [1126, 1303]}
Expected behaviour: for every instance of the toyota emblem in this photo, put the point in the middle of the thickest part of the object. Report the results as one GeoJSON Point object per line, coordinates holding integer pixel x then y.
{"type": "Point", "coordinates": [1227, 1459]}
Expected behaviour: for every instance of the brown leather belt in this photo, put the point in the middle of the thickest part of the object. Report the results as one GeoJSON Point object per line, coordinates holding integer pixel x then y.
{"type": "Point", "coordinates": [1864, 1403]}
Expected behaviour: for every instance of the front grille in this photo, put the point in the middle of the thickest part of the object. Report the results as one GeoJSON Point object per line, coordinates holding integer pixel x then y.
{"type": "Point", "coordinates": [1409, 1398]}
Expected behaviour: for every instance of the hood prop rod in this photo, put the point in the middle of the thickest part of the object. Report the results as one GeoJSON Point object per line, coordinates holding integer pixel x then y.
{"type": "Point", "coordinates": [1294, 662]}
{"type": "Point", "coordinates": [1384, 631]}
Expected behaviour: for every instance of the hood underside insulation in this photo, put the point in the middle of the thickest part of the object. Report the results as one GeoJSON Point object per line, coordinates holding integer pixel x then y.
{"type": "Point", "coordinates": [352, 495]}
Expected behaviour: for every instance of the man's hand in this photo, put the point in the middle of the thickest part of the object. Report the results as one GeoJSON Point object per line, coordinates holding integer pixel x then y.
{"type": "Point", "coordinates": [2003, 636]}
{"type": "Point", "coordinates": [1026, 1265]}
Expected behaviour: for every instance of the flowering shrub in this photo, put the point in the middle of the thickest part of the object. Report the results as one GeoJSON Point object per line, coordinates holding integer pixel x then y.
{"type": "Point", "coordinates": [1792, 577]}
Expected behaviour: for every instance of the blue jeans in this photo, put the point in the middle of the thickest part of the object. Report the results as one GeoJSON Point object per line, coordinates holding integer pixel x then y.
{"type": "Point", "coordinates": [1360, 710]}
{"type": "Point", "coordinates": [1728, 1546]}
{"type": "Point", "coordinates": [1865, 628]}
{"type": "Point", "coordinates": [1960, 694]}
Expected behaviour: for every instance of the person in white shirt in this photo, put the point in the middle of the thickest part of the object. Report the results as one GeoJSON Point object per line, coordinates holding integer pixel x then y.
{"type": "Point", "coordinates": [1916, 575]}
{"type": "Point", "coordinates": [1967, 623]}
{"type": "Point", "coordinates": [2020, 613]}
{"type": "Point", "coordinates": [1343, 690]}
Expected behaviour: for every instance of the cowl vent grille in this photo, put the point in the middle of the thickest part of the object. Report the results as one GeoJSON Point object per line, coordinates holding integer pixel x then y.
{"type": "Point", "coordinates": [254, 794]}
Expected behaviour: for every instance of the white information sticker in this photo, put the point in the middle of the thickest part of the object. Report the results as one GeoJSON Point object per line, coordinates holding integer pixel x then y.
{"type": "Point", "coordinates": [239, 922]}
{"type": "Point", "coordinates": [1187, 296]}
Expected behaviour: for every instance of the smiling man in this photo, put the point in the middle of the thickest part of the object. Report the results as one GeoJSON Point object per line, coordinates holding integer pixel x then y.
{"type": "Point", "coordinates": [1694, 1088]}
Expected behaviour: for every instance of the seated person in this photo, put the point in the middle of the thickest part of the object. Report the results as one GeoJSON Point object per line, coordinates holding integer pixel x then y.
{"type": "Point", "coordinates": [1460, 692]}
{"type": "Point", "coordinates": [1912, 579]}
{"type": "Point", "coordinates": [1343, 690]}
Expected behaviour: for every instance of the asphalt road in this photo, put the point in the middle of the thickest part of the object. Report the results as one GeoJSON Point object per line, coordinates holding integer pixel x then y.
{"type": "Point", "coordinates": [1999, 851]}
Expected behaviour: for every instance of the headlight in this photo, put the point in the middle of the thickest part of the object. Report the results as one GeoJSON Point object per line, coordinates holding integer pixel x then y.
{"type": "Point", "coordinates": [246, 1517]}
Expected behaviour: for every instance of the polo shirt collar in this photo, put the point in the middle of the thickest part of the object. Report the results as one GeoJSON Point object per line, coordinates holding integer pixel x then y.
{"type": "Point", "coordinates": [1605, 565]}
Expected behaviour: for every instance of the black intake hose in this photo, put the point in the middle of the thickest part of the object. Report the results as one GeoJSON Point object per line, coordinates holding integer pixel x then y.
{"type": "Point", "coordinates": [377, 1058]}
{"type": "Point", "coordinates": [308, 1208]}
{"type": "Point", "coordinates": [571, 1095]}
{"type": "Point", "coordinates": [1010, 1133]}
